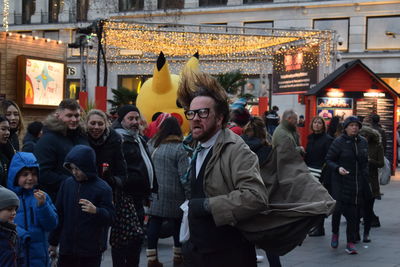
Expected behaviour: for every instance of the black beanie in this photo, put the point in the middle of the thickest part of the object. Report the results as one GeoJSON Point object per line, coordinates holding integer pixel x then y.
{"type": "Point", "coordinates": [34, 128]}
{"type": "Point", "coordinates": [351, 119]}
{"type": "Point", "coordinates": [122, 111]}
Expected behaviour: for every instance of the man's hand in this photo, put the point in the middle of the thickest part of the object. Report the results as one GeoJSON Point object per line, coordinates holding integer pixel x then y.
{"type": "Point", "coordinates": [343, 171]}
{"type": "Point", "coordinates": [87, 206]}
{"type": "Point", "coordinates": [53, 251]}
{"type": "Point", "coordinates": [40, 197]}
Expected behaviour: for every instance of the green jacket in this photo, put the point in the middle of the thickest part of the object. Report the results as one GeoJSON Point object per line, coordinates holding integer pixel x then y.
{"type": "Point", "coordinates": [284, 133]}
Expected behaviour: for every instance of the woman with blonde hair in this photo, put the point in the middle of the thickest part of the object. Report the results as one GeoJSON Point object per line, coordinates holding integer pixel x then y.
{"type": "Point", "coordinates": [126, 232]}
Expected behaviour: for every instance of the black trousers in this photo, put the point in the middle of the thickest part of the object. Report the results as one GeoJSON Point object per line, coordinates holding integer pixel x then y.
{"type": "Point", "coordinates": [127, 256]}
{"type": "Point", "coordinates": [243, 255]}
{"type": "Point", "coordinates": [350, 212]}
{"type": "Point", "coordinates": [76, 261]}
{"type": "Point", "coordinates": [366, 212]}
{"type": "Point", "coordinates": [154, 228]}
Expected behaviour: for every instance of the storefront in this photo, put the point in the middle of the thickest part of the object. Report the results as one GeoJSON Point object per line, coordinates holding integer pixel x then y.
{"type": "Point", "coordinates": [353, 89]}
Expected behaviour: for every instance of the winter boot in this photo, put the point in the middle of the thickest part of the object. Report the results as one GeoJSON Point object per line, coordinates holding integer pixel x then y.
{"type": "Point", "coordinates": [152, 260]}
{"type": "Point", "coordinates": [178, 258]}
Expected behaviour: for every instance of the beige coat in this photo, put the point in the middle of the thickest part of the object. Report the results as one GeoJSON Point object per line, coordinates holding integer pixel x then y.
{"type": "Point", "coordinates": [232, 181]}
{"type": "Point", "coordinates": [296, 202]}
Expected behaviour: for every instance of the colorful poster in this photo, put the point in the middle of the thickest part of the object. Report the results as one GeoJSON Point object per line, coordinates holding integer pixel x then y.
{"type": "Point", "coordinates": [44, 82]}
{"type": "Point", "coordinates": [333, 103]}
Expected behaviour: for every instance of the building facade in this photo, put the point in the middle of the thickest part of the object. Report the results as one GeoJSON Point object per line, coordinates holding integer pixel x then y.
{"type": "Point", "coordinates": [368, 30]}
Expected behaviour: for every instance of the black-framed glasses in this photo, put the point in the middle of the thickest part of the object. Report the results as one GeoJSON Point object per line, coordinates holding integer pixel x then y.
{"type": "Point", "coordinates": [202, 112]}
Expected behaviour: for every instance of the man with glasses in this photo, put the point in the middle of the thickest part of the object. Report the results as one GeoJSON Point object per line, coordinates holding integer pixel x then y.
{"type": "Point", "coordinates": [62, 131]}
{"type": "Point", "coordinates": [226, 186]}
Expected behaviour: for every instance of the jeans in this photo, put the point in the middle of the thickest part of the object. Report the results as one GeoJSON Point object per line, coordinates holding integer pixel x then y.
{"type": "Point", "coordinates": [154, 228]}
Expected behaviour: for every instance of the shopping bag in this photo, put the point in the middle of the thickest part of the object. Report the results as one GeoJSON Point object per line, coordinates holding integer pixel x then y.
{"type": "Point", "coordinates": [384, 173]}
{"type": "Point", "coordinates": [184, 233]}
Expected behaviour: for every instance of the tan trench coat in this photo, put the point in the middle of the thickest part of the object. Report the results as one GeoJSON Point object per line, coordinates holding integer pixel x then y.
{"type": "Point", "coordinates": [232, 181]}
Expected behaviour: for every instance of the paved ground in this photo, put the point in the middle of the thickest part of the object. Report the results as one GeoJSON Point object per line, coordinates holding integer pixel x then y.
{"type": "Point", "coordinates": [383, 251]}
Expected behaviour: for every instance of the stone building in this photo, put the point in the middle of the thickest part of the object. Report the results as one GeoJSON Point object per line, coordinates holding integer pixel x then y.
{"type": "Point", "coordinates": [369, 29]}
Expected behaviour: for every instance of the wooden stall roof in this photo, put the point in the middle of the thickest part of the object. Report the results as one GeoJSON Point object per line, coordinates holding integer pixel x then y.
{"type": "Point", "coordinates": [339, 72]}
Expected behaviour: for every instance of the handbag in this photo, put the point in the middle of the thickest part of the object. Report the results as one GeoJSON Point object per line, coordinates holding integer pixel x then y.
{"type": "Point", "coordinates": [384, 173]}
{"type": "Point", "coordinates": [126, 226]}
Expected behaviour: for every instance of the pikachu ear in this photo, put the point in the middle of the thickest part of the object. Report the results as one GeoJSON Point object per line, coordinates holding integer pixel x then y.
{"type": "Point", "coordinates": [192, 63]}
{"type": "Point", "coordinates": [161, 76]}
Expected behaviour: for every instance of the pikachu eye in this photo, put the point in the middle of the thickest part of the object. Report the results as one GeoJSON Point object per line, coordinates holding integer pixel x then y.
{"type": "Point", "coordinates": [178, 104]}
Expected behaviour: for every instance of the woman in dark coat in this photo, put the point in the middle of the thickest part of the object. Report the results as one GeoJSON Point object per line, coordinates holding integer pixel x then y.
{"type": "Point", "coordinates": [317, 147]}
{"type": "Point", "coordinates": [171, 162]}
{"type": "Point", "coordinates": [348, 159]}
{"type": "Point", "coordinates": [375, 161]}
{"type": "Point", "coordinates": [125, 238]}
{"type": "Point", "coordinates": [4, 160]}
{"type": "Point", "coordinates": [106, 143]}
{"type": "Point", "coordinates": [255, 136]}
{"type": "Point", "coordinates": [11, 111]}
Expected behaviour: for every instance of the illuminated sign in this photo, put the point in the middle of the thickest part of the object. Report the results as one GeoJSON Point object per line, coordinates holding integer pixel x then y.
{"type": "Point", "coordinates": [41, 82]}
{"type": "Point", "coordinates": [374, 94]}
{"type": "Point", "coordinates": [294, 71]}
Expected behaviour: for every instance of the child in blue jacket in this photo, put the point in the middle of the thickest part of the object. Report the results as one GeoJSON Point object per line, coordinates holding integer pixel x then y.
{"type": "Point", "coordinates": [85, 209]}
{"type": "Point", "coordinates": [37, 215]}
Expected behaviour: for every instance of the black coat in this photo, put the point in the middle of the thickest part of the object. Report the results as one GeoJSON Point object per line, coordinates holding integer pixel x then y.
{"type": "Point", "coordinates": [262, 151]}
{"type": "Point", "coordinates": [81, 233]}
{"type": "Point", "coordinates": [51, 150]}
{"type": "Point", "coordinates": [29, 143]}
{"type": "Point", "coordinates": [316, 150]}
{"type": "Point", "coordinates": [109, 150]}
{"type": "Point", "coordinates": [350, 153]}
{"type": "Point", "coordinates": [137, 183]}
{"type": "Point", "coordinates": [14, 139]}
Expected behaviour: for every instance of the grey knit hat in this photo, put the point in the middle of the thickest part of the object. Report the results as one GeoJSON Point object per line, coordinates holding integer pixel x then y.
{"type": "Point", "coordinates": [8, 198]}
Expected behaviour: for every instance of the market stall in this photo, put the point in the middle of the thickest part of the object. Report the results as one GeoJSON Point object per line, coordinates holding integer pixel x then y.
{"type": "Point", "coordinates": [354, 89]}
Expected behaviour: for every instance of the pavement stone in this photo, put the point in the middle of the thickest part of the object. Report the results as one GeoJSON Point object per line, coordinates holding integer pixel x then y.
{"type": "Point", "coordinates": [383, 251]}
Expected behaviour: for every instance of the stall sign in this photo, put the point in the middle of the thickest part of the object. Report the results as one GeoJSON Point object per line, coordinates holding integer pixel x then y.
{"type": "Point", "coordinates": [294, 72]}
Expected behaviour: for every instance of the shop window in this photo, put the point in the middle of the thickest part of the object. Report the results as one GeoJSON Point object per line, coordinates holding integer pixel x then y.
{"type": "Point", "coordinates": [383, 33]}
{"type": "Point", "coordinates": [340, 25]}
{"type": "Point", "coordinates": [54, 10]}
{"type": "Point", "coordinates": [253, 25]}
{"type": "Point", "coordinates": [53, 35]}
{"type": "Point", "coordinates": [131, 5]}
{"type": "Point", "coordinates": [28, 9]}
{"type": "Point", "coordinates": [131, 82]}
{"type": "Point", "coordinates": [73, 88]}
{"type": "Point", "coordinates": [212, 3]}
{"type": "Point", "coordinates": [170, 4]}
{"type": "Point", "coordinates": [82, 7]}
{"type": "Point", "coordinates": [393, 82]}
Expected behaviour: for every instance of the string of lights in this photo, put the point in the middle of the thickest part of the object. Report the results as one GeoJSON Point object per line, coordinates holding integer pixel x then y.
{"type": "Point", "coordinates": [6, 12]}
{"type": "Point", "coordinates": [222, 48]}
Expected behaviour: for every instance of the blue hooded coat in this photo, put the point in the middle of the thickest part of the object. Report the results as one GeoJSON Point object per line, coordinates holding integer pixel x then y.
{"type": "Point", "coordinates": [80, 233]}
{"type": "Point", "coordinates": [33, 222]}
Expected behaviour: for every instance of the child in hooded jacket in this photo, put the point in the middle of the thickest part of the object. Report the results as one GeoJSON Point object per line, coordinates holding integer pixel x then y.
{"type": "Point", "coordinates": [37, 215]}
{"type": "Point", "coordinates": [85, 209]}
{"type": "Point", "coordinates": [9, 244]}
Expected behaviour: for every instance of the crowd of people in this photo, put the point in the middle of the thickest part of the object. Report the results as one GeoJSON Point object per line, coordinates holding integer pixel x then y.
{"type": "Point", "coordinates": [79, 181]}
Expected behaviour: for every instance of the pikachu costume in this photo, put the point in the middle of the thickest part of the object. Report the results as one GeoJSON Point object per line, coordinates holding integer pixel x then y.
{"type": "Point", "coordinates": [159, 93]}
